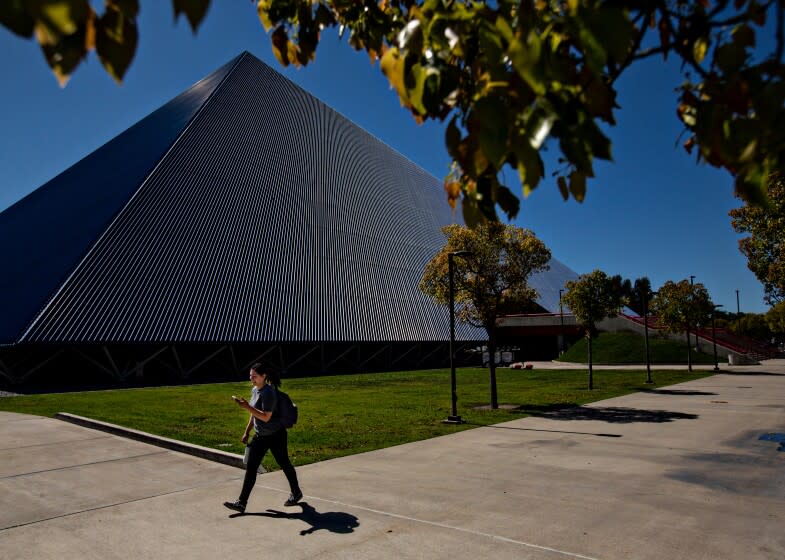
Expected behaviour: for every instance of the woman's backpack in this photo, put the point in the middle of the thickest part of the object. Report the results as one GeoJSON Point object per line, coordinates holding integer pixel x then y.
{"type": "Point", "coordinates": [287, 410]}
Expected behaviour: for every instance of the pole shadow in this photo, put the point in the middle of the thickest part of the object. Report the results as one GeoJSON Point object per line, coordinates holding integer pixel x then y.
{"type": "Point", "coordinates": [333, 521]}
{"type": "Point", "coordinates": [610, 414]}
{"type": "Point", "coordinates": [675, 392]}
{"type": "Point", "coordinates": [495, 427]}
{"type": "Point", "coordinates": [752, 373]}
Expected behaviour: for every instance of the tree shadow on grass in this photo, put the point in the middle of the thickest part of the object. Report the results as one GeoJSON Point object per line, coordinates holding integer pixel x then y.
{"type": "Point", "coordinates": [333, 521]}
{"type": "Point", "coordinates": [610, 414]}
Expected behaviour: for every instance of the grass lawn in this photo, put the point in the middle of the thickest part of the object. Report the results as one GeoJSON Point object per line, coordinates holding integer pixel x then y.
{"type": "Point", "coordinates": [343, 414]}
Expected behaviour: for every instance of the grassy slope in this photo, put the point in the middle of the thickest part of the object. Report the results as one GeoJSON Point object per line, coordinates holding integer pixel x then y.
{"type": "Point", "coordinates": [630, 348]}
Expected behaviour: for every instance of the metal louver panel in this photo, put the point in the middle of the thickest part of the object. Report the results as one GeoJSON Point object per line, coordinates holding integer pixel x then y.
{"type": "Point", "coordinates": [272, 218]}
{"type": "Point", "coordinates": [45, 235]}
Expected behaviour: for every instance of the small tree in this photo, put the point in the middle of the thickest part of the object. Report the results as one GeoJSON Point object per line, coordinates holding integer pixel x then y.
{"type": "Point", "coordinates": [765, 246]}
{"type": "Point", "coordinates": [775, 318]}
{"type": "Point", "coordinates": [641, 290]}
{"type": "Point", "coordinates": [592, 298]}
{"type": "Point", "coordinates": [680, 305]}
{"type": "Point", "coordinates": [492, 278]}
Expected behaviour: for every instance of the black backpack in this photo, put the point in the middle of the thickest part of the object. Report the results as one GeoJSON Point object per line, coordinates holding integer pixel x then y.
{"type": "Point", "coordinates": [287, 410]}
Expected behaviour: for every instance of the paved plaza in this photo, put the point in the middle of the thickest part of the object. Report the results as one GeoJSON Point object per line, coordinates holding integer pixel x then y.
{"type": "Point", "coordinates": [692, 471]}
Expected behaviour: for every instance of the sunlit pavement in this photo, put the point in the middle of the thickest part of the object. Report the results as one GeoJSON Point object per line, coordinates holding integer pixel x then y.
{"type": "Point", "coordinates": [692, 471]}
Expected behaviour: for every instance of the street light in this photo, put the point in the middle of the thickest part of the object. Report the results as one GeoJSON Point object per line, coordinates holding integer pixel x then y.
{"type": "Point", "coordinates": [692, 278]}
{"type": "Point", "coordinates": [714, 336]}
{"type": "Point", "coordinates": [453, 418]}
{"type": "Point", "coordinates": [738, 311]}
{"type": "Point", "coordinates": [646, 333]}
{"type": "Point", "coordinates": [561, 318]}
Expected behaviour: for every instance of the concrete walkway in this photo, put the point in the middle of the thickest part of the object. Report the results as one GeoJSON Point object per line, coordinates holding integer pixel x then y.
{"type": "Point", "coordinates": [676, 473]}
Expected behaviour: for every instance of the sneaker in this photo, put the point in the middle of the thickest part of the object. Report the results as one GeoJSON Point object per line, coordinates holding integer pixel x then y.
{"type": "Point", "coordinates": [236, 506]}
{"type": "Point", "coordinates": [294, 498]}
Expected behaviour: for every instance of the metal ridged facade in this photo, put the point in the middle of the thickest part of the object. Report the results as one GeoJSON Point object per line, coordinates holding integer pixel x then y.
{"type": "Point", "coordinates": [45, 235]}
{"type": "Point", "coordinates": [269, 218]}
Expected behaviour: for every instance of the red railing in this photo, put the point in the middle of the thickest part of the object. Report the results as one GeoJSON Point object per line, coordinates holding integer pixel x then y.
{"type": "Point", "coordinates": [724, 338]}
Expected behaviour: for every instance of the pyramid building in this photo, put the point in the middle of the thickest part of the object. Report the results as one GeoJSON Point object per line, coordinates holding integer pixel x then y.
{"type": "Point", "coordinates": [243, 220]}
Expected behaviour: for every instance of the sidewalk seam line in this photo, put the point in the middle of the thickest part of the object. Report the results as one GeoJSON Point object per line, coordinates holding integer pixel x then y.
{"type": "Point", "coordinates": [445, 526]}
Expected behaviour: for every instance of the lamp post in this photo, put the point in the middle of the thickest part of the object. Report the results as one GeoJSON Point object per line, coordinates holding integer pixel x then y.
{"type": "Point", "coordinates": [714, 336]}
{"type": "Point", "coordinates": [692, 283]}
{"type": "Point", "coordinates": [453, 418]}
{"type": "Point", "coordinates": [646, 333]}
{"type": "Point", "coordinates": [561, 320]}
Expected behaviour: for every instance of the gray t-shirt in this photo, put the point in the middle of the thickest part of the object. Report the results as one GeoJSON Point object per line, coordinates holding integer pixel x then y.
{"type": "Point", "coordinates": [265, 401]}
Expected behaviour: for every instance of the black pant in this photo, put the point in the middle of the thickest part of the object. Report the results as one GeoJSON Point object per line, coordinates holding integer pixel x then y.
{"type": "Point", "coordinates": [278, 444]}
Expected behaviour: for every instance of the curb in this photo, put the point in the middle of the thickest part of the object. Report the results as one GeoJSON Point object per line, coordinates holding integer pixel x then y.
{"type": "Point", "coordinates": [224, 457]}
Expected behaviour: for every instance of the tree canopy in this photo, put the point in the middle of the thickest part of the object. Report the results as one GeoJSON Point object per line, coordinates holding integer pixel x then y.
{"type": "Point", "coordinates": [681, 305]}
{"type": "Point", "coordinates": [490, 278]}
{"type": "Point", "coordinates": [765, 245]}
{"type": "Point", "coordinates": [775, 318]}
{"type": "Point", "coordinates": [510, 77]}
{"type": "Point", "coordinates": [592, 298]}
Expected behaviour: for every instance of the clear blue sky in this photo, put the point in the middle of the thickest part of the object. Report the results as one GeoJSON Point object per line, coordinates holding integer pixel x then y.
{"type": "Point", "coordinates": [652, 212]}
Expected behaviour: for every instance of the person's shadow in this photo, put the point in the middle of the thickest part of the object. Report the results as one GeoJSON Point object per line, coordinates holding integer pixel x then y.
{"type": "Point", "coordinates": [333, 521]}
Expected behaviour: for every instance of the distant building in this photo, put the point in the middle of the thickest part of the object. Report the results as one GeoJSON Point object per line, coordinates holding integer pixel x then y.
{"type": "Point", "coordinates": [243, 220]}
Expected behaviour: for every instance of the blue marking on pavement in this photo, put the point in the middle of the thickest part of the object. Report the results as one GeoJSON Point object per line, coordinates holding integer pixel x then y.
{"type": "Point", "coordinates": [779, 438]}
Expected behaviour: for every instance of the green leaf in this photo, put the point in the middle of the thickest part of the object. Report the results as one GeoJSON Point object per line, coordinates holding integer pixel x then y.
{"type": "Point", "coordinates": [601, 100]}
{"type": "Point", "coordinates": [562, 183]}
{"type": "Point", "coordinates": [471, 212]}
{"type": "Point", "coordinates": [429, 89]}
{"type": "Point", "coordinates": [700, 48]}
{"type": "Point", "coordinates": [525, 58]}
{"type": "Point", "coordinates": [599, 144]}
{"type": "Point", "coordinates": [504, 29]}
{"type": "Point", "coordinates": [751, 185]}
{"type": "Point", "coordinates": [530, 166]}
{"type": "Point", "coordinates": [263, 10]}
{"type": "Point", "coordinates": [452, 137]}
{"type": "Point", "coordinates": [62, 17]}
{"type": "Point", "coordinates": [417, 74]}
{"type": "Point", "coordinates": [596, 57]}
{"type": "Point", "coordinates": [65, 55]}
{"type": "Point", "coordinates": [410, 38]}
{"type": "Point", "coordinates": [490, 118]}
{"type": "Point", "coordinates": [324, 17]}
{"type": "Point", "coordinates": [15, 16]}
{"type": "Point", "coordinates": [612, 25]}
{"type": "Point", "coordinates": [507, 201]}
{"type": "Point", "coordinates": [578, 185]}
{"type": "Point", "coordinates": [730, 57]}
{"type": "Point", "coordinates": [129, 8]}
{"type": "Point", "coordinates": [280, 40]}
{"type": "Point", "coordinates": [744, 35]}
{"type": "Point", "coordinates": [116, 41]}
{"type": "Point", "coordinates": [490, 42]}
{"type": "Point", "coordinates": [392, 67]}
{"type": "Point", "coordinates": [194, 11]}
{"type": "Point", "coordinates": [574, 149]}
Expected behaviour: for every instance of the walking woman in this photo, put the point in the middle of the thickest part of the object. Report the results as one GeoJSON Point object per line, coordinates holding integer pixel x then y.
{"type": "Point", "coordinates": [270, 434]}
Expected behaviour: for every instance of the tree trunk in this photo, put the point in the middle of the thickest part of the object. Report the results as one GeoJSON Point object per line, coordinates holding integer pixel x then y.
{"type": "Point", "coordinates": [591, 373]}
{"type": "Point", "coordinates": [492, 365]}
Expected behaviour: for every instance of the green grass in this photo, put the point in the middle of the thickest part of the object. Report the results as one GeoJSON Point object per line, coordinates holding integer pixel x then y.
{"type": "Point", "coordinates": [630, 348]}
{"type": "Point", "coordinates": [345, 414]}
